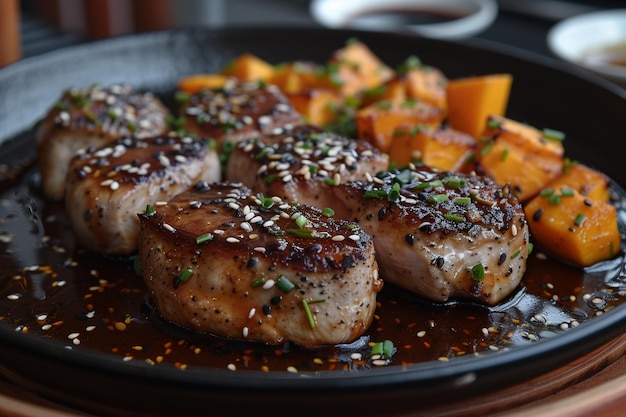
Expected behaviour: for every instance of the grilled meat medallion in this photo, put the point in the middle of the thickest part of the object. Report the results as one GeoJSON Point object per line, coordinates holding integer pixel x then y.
{"type": "Point", "coordinates": [442, 235]}
{"type": "Point", "coordinates": [237, 111]}
{"type": "Point", "coordinates": [222, 260]}
{"type": "Point", "coordinates": [302, 163]}
{"type": "Point", "coordinates": [92, 117]}
{"type": "Point", "coordinates": [108, 186]}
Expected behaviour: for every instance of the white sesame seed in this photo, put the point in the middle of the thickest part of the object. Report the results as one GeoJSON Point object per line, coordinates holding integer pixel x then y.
{"type": "Point", "coordinates": [218, 232]}
{"type": "Point", "coordinates": [514, 230]}
{"type": "Point", "coordinates": [13, 297]}
{"type": "Point", "coordinates": [90, 328]}
{"type": "Point", "coordinates": [180, 158]}
{"type": "Point", "coordinates": [354, 237]}
{"type": "Point", "coordinates": [46, 327]}
{"type": "Point", "coordinates": [245, 332]}
{"type": "Point", "coordinates": [42, 317]}
{"type": "Point", "coordinates": [169, 228]}
{"type": "Point", "coordinates": [251, 312]}
{"type": "Point", "coordinates": [233, 206]}
{"type": "Point", "coordinates": [114, 185]}
{"type": "Point", "coordinates": [356, 356]}
{"type": "Point", "coordinates": [232, 240]}
{"type": "Point", "coordinates": [421, 333]}
{"type": "Point", "coordinates": [268, 223]}
{"type": "Point", "coordinates": [338, 238]}
{"type": "Point", "coordinates": [260, 249]}
{"type": "Point", "coordinates": [163, 160]}
{"type": "Point", "coordinates": [246, 226]}
{"type": "Point", "coordinates": [73, 335]}
{"type": "Point", "coordinates": [268, 284]}
{"type": "Point", "coordinates": [292, 369]}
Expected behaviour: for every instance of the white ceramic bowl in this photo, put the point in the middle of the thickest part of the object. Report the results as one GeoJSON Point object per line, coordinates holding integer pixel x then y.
{"type": "Point", "coordinates": [453, 19]}
{"type": "Point", "coordinates": [594, 41]}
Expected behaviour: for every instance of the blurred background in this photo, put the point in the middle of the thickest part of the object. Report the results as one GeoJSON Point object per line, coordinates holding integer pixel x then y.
{"type": "Point", "coordinates": [32, 27]}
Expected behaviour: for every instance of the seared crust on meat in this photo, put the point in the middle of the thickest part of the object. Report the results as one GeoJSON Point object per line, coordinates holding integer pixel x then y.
{"type": "Point", "coordinates": [108, 186]}
{"type": "Point", "coordinates": [237, 111]}
{"type": "Point", "coordinates": [225, 261]}
{"type": "Point", "coordinates": [443, 235]}
{"type": "Point", "coordinates": [303, 163]}
{"type": "Point", "coordinates": [92, 117]}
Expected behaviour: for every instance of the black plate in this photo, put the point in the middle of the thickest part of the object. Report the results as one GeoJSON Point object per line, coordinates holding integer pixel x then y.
{"type": "Point", "coordinates": [544, 94]}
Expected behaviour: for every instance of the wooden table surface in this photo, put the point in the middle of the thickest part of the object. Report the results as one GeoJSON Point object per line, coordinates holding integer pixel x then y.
{"type": "Point", "coordinates": [594, 385]}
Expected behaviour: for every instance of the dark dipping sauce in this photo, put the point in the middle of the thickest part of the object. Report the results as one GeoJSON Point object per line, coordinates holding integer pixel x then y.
{"type": "Point", "coordinates": [51, 287]}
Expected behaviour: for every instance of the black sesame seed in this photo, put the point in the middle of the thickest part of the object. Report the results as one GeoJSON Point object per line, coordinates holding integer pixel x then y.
{"type": "Point", "coordinates": [440, 261]}
{"type": "Point", "coordinates": [252, 262]}
{"type": "Point", "coordinates": [267, 309]}
{"type": "Point", "coordinates": [88, 215]}
{"type": "Point", "coordinates": [588, 203]}
{"type": "Point", "coordinates": [381, 214]}
{"type": "Point", "coordinates": [348, 261]}
{"type": "Point", "coordinates": [537, 215]}
{"type": "Point", "coordinates": [276, 300]}
{"type": "Point", "coordinates": [409, 238]}
{"type": "Point", "coordinates": [176, 282]}
{"type": "Point", "coordinates": [502, 258]}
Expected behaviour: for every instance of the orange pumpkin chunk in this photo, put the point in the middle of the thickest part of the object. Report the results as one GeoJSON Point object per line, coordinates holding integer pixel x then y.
{"type": "Point", "coordinates": [572, 227]}
{"type": "Point", "coordinates": [377, 122]}
{"type": "Point", "coordinates": [446, 149]}
{"type": "Point", "coordinates": [471, 100]}
{"type": "Point", "coordinates": [518, 154]}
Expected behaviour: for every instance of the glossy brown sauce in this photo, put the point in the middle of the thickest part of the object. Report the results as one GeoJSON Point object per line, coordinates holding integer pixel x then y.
{"type": "Point", "coordinates": [50, 287]}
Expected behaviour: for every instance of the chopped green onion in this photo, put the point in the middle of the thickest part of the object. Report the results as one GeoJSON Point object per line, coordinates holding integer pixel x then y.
{"type": "Point", "coordinates": [438, 198]}
{"type": "Point", "coordinates": [554, 199]}
{"type": "Point", "coordinates": [455, 182]}
{"type": "Point", "coordinates": [463, 201]}
{"type": "Point", "coordinates": [516, 254]}
{"type": "Point", "coordinates": [352, 226]}
{"type": "Point", "coordinates": [428, 184]}
{"type": "Point", "coordinates": [410, 63]}
{"type": "Point", "coordinates": [270, 178]}
{"type": "Point", "coordinates": [494, 123]}
{"type": "Point", "coordinates": [185, 274]}
{"type": "Point", "coordinates": [150, 210]}
{"type": "Point", "coordinates": [375, 91]}
{"type": "Point", "coordinates": [553, 134]}
{"type": "Point", "coordinates": [454, 217]}
{"type": "Point", "coordinates": [504, 154]}
{"type": "Point", "coordinates": [478, 272]}
{"type": "Point", "coordinates": [328, 212]}
{"type": "Point", "coordinates": [204, 238]}
{"type": "Point", "coordinates": [329, 181]}
{"type": "Point", "coordinates": [263, 153]}
{"type": "Point", "coordinates": [266, 202]}
{"type": "Point", "coordinates": [394, 193]}
{"type": "Point", "coordinates": [384, 349]}
{"type": "Point", "coordinates": [284, 284]}
{"type": "Point", "coordinates": [182, 96]}
{"type": "Point", "coordinates": [375, 194]}
{"type": "Point", "coordinates": [567, 192]}
{"type": "Point", "coordinates": [531, 246]}
{"type": "Point", "coordinates": [546, 192]}
{"type": "Point", "coordinates": [384, 105]}
{"type": "Point", "coordinates": [484, 151]}
{"type": "Point", "coordinates": [309, 315]}
{"type": "Point", "coordinates": [258, 282]}
{"type": "Point", "coordinates": [307, 233]}
{"type": "Point", "coordinates": [301, 221]}
{"type": "Point", "coordinates": [580, 219]}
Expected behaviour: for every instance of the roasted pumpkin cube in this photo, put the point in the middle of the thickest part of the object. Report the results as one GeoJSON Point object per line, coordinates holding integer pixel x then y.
{"type": "Point", "coordinates": [443, 148]}
{"type": "Point", "coordinates": [248, 67]}
{"type": "Point", "coordinates": [377, 122]}
{"type": "Point", "coordinates": [427, 84]}
{"type": "Point", "coordinates": [587, 181]}
{"type": "Point", "coordinates": [393, 90]}
{"type": "Point", "coordinates": [194, 83]}
{"type": "Point", "coordinates": [317, 106]}
{"type": "Point", "coordinates": [570, 226]}
{"type": "Point", "coordinates": [520, 155]}
{"type": "Point", "coordinates": [355, 68]}
{"type": "Point", "coordinates": [472, 100]}
{"type": "Point", "coordinates": [297, 77]}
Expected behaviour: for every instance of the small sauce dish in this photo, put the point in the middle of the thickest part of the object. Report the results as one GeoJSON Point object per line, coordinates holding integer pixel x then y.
{"type": "Point", "coordinates": [441, 19]}
{"type": "Point", "coordinates": [595, 41]}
